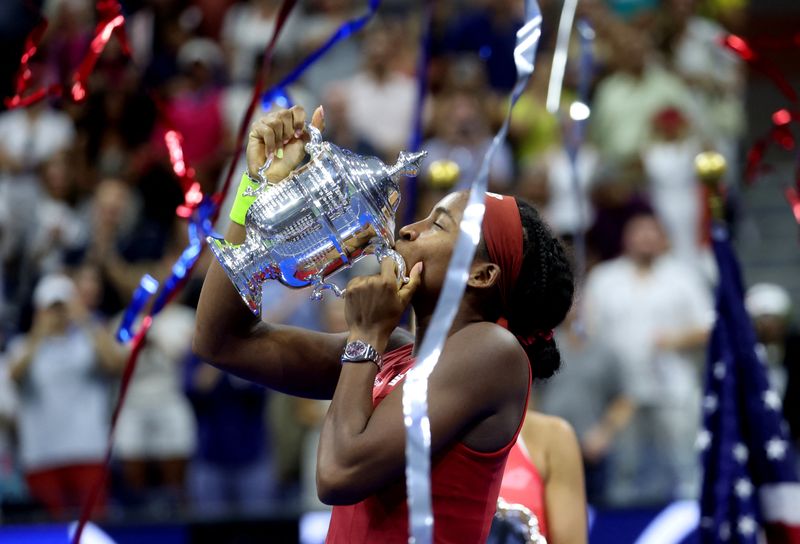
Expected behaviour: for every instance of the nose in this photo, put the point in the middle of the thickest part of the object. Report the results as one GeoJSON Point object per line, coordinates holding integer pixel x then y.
{"type": "Point", "coordinates": [409, 233]}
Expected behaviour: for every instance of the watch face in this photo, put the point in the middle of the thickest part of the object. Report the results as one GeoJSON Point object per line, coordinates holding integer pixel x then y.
{"type": "Point", "coordinates": [355, 349]}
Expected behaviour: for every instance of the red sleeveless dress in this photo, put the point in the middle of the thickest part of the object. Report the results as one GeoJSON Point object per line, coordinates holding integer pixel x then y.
{"type": "Point", "coordinates": [464, 485]}
{"type": "Point", "coordinates": [522, 484]}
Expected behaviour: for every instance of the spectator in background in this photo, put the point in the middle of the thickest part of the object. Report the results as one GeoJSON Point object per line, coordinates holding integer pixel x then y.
{"type": "Point", "coordinates": [569, 211]}
{"type": "Point", "coordinates": [489, 29]}
{"type": "Point", "coordinates": [640, 86]}
{"type": "Point", "coordinates": [714, 74]}
{"type": "Point", "coordinates": [590, 393]}
{"type": "Point", "coordinates": [652, 311]}
{"type": "Point", "coordinates": [246, 29]}
{"type": "Point", "coordinates": [616, 198]}
{"type": "Point", "coordinates": [61, 368]}
{"type": "Point", "coordinates": [11, 487]}
{"type": "Point", "coordinates": [672, 183]}
{"type": "Point", "coordinates": [321, 20]}
{"type": "Point", "coordinates": [231, 468]}
{"type": "Point", "coordinates": [28, 137]}
{"type": "Point", "coordinates": [156, 430]}
{"type": "Point", "coordinates": [463, 133]}
{"type": "Point", "coordinates": [769, 306]}
{"type": "Point", "coordinates": [59, 227]}
{"type": "Point", "coordinates": [195, 107]}
{"type": "Point", "coordinates": [381, 98]}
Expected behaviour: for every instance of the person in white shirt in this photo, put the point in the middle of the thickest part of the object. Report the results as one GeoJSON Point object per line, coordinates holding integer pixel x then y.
{"type": "Point", "coordinates": [652, 311]}
{"type": "Point", "coordinates": [61, 369]}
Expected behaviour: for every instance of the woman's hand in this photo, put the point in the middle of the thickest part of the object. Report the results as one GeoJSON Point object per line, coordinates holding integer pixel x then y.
{"type": "Point", "coordinates": [281, 136]}
{"type": "Point", "coordinates": [374, 304]}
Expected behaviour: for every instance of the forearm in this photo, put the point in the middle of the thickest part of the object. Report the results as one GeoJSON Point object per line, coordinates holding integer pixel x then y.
{"type": "Point", "coordinates": [343, 436]}
{"type": "Point", "coordinates": [221, 314]}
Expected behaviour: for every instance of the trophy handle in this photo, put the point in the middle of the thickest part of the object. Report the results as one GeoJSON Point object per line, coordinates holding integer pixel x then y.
{"type": "Point", "coordinates": [382, 251]}
{"type": "Point", "coordinates": [314, 144]}
{"type": "Point", "coordinates": [321, 285]}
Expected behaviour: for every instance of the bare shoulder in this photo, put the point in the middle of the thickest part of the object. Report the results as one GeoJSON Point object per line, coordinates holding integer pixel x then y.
{"type": "Point", "coordinates": [488, 349]}
{"type": "Point", "coordinates": [550, 429]}
{"type": "Point", "coordinates": [551, 441]}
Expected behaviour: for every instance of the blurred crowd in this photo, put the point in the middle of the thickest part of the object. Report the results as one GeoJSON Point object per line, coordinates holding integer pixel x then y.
{"type": "Point", "coordinates": [88, 203]}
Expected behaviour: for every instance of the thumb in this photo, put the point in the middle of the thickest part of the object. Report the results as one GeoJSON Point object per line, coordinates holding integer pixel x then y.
{"type": "Point", "coordinates": [318, 118]}
{"type": "Point", "coordinates": [414, 280]}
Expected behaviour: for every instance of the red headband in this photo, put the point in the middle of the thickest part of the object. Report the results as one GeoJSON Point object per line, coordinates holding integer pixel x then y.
{"type": "Point", "coordinates": [502, 232]}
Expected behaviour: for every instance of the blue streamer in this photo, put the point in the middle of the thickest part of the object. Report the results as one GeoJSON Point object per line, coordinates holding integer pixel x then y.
{"type": "Point", "coordinates": [148, 286]}
{"type": "Point", "coordinates": [422, 85]}
{"type": "Point", "coordinates": [415, 389]}
{"type": "Point", "coordinates": [278, 91]}
{"type": "Point", "coordinates": [200, 226]}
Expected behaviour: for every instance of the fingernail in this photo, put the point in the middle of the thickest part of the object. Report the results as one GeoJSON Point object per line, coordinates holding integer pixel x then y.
{"type": "Point", "coordinates": [286, 141]}
{"type": "Point", "coordinates": [322, 112]}
{"type": "Point", "coordinates": [279, 153]}
{"type": "Point", "coordinates": [298, 132]}
{"type": "Point", "coordinates": [270, 157]}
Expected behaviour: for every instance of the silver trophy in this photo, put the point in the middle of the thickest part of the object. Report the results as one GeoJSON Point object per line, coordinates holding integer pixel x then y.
{"type": "Point", "coordinates": [325, 216]}
{"type": "Point", "coordinates": [521, 519]}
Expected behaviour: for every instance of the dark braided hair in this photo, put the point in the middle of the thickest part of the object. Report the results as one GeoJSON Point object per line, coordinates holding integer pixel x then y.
{"type": "Point", "coordinates": [543, 294]}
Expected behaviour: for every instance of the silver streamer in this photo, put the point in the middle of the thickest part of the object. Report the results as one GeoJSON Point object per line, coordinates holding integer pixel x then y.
{"type": "Point", "coordinates": [415, 390]}
{"type": "Point", "coordinates": [560, 55]}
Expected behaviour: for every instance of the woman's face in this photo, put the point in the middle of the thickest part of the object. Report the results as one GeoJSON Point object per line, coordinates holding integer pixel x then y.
{"type": "Point", "coordinates": [431, 242]}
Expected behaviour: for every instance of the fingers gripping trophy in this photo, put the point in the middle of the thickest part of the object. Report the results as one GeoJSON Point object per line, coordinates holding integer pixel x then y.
{"type": "Point", "coordinates": [305, 223]}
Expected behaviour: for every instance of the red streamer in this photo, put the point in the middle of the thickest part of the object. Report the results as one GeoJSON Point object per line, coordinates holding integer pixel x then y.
{"type": "Point", "coordinates": [24, 73]}
{"type": "Point", "coordinates": [109, 13]}
{"type": "Point", "coordinates": [781, 131]}
{"type": "Point", "coordinates": [192, 194]}
{"type": "Point", "coordinates": [793, 197]}
{"type": "Point", "coordinates": [739, 46]}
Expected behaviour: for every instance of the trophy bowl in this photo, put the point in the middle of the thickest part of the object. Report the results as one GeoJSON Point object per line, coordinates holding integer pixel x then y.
{"type": "Point", "coordinates": [325, 216]}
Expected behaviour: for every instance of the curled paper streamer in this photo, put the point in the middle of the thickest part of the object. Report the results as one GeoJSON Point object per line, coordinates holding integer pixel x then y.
{"type": "Point", "coordinates": [560, 55]}
{"type": "Point", "coordinates": [278, 91]}
{"type": "Point", "coordinates": [24, 73]}
{"type": "Point", "coordinates": [415, 389]}
{"type": "Point", "coordinates": [110, 21]}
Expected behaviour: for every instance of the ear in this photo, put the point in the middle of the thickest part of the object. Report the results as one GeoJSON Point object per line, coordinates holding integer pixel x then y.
{"type": "Point", "coordinates": [483, 275]}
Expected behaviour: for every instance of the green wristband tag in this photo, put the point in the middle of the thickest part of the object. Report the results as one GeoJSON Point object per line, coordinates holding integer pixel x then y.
{"type": "Point", "coordinates": [242, 203]}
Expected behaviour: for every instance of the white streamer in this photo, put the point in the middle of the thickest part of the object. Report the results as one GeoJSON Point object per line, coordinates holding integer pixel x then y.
{"type": "Point", "coordinates": [560, 55]}
{"type": "Point", "coordinates": [415, 389]}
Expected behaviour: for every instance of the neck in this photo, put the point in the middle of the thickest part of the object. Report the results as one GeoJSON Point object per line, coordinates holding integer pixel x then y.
{"type": "Point", "coordinates": [465, 315]}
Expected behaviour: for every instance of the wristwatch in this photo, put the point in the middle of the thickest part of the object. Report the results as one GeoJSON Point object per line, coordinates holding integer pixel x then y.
{"type": "Point", "coordinates": [361, 352]}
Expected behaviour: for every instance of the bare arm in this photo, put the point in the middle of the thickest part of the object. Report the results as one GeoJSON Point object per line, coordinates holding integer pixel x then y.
{"type": "Point", "coordinates": [565, 497]}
